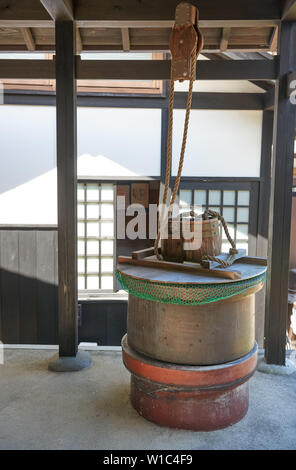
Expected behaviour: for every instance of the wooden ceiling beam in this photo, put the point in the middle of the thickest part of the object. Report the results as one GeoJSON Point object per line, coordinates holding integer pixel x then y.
{"type": "Point", "coordinates": [117, 24]}
{"type": "Point", "coordinates": [225, 39]}
{"type": "Point", "coordinates": [132, 13]}
{"type": "Point", "coordinates": [140, 69]}
{"type": "Point", "coordinates": [164, 10]}
{"type": "Point", "coordinates": [135, 48]}
{"type": "Point", "coordinates": [59, 10]}
{"type": "Point", "coordinates": [24, 13]}
{"type": "Point", "coordinates": [28, 38]}
{"type": "Point", "coordinates": [126, 44]}
{"type": "Point", "coordinates": [27, 69]}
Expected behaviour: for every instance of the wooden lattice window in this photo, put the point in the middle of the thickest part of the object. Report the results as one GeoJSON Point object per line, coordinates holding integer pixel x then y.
{"type": "Point", "coordinates": [96, 236]}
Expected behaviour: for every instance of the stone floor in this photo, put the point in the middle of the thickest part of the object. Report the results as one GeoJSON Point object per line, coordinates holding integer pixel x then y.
{"type": "Point", "coordinates": [90, 409]}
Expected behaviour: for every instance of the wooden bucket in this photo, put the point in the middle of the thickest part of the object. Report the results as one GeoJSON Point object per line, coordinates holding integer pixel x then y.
{"type": "Point", "coordinates": [191, 238]}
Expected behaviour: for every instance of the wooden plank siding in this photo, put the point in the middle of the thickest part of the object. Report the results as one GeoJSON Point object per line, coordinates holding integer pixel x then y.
{"type": "Point", "coordinates": [28, 286]}
{"type": "Point", "coordinates": [29, 294]}
{"type": "Point", "coordinates": [10, 301]}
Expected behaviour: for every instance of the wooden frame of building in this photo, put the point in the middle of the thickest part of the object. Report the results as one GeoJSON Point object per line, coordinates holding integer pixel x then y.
{"type": "Point", "coordinates": [230, 18]}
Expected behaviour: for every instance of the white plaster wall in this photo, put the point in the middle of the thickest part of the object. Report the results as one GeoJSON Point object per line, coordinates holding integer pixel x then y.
{"type": "Point", "coordinates": [220, 86]}
{"type": "Point", "coordinates": [220, 143]}
{"type": "Point", "coordinates": [119, 142]}
{"type": "Point", "coordinates": [28, 186]}
{"type": "Point", "coordinates": [114, 142]}
{"type": "Point", "coordinates": [111, 142]}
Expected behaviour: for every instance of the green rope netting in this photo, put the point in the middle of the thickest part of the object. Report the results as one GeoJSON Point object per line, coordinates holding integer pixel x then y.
{"type": "Point", "coordinates": [186, 294]}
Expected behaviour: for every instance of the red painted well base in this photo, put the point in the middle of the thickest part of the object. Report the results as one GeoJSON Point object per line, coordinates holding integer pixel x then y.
{"type": "Point", "coordinates": [189, 397]}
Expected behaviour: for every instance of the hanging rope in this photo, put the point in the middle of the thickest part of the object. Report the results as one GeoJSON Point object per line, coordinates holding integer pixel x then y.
{"type": "Point", "coordinates": [163, 218]}
{"type": "Point", "coordinates": [166, 210]}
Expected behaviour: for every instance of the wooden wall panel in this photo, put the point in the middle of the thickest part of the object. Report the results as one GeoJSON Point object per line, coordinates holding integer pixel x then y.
{"type": "Point", "coordinates": [10, 302]}
{"type": "Point", "coordinates": [28, 286]}
{"type": "Point", "coordinates": [46, 257]}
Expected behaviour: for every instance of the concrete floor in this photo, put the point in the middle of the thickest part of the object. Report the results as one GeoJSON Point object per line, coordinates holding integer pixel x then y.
{"type": "Point", "coordinates": [91, 410]}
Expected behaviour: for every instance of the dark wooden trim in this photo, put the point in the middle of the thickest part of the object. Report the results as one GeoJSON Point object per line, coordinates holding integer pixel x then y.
{"type": "Point", "coordinates": [203, 100]}
{"type": "Point", "coordinates": [231, 101]}
{"type": "Point", "coordinates": [67, 187]}
{"type": "Point", "coordinates": [27, 69]}
{"type": "Point", "coordinates": [253, 217]}
{"type": "Point", "coordinates": [206, 179]}
{"type": "Point", "coordinates": [264, 191]}
{"type": "Point", "coordinates": [140, 69]}
{"type": "Point", "coordinates": [281, 202]}
{"type": "Point", "coordinates": [28, 227]}
{"type": "Point", "coordinates": [117, 179]}
{"type": "Point", "coordinates": [268, 100]}
{"type": "Point", "coordinates": [160, 70]}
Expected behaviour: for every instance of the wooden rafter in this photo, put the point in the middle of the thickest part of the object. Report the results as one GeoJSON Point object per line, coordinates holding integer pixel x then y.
{"type": "Point", "coordinates": [126, 45]}
{"type": "Point", "coordinates": [28, 38]}
{"type": "Point", "coordinates": [79, 44]}
{"type": "Point", "coordinates": [274, 40]}
{"type": "Point", "coordinates": [225, 39]}
{"type": "Point", "coordinates": [59, 10]}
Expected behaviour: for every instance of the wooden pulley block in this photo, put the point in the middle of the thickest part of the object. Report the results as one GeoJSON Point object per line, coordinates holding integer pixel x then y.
{"type": "Point", "coordinates": [184, 39]}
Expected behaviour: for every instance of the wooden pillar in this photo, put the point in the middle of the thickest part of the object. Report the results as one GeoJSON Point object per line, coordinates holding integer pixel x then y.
{"type": "Point", "coordinates": [263, 217]}
{"type": "Point", "coordinates": [67, 190]}
{"type": "Point", "coordinates": [265, 181]}
{"type": "Point", "coordinates": [280, 203]}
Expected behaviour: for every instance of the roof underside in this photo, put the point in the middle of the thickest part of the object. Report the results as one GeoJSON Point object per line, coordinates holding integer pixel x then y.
{"type": "Point", "coordinates": [140, 39]}
{"type": "Point", "coordinates": [144, 25]}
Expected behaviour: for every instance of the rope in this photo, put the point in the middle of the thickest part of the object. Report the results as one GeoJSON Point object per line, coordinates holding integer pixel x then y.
{"type": "Point", "coordinates": [163, 220]}
{"type": "Point", "coordinates": [233, 251]}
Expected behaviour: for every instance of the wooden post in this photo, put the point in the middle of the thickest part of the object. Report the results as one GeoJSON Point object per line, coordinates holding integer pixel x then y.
{"type": "Point", "coordinates": [265, 181]}
{"type": "Point", "coordinates": [67, 190]}
{"type": "Point", "coordinates": [69, 358]}
{"type": "Point", "coordinates": [280, 204]}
